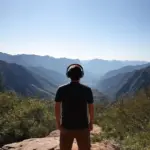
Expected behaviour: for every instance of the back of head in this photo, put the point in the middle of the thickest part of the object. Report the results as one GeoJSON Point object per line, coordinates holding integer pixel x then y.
{"type": "Point", "coordinates": [75, 72]}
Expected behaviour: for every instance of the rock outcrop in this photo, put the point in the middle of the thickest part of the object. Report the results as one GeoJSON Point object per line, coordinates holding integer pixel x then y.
{"type": "Point", "coordinates": [51, 142]}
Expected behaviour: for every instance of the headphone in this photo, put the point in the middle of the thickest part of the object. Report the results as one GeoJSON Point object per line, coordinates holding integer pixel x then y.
{"type": "Point", "coordinates": [68, 72]}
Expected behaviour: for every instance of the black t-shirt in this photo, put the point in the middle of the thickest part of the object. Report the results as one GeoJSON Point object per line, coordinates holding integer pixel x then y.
{"type": "Point", "coordinates": [74, 97]}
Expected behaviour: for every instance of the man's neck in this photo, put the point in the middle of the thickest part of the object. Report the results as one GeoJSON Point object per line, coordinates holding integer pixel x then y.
{"type": "Point", "coordinates": [75, 81]}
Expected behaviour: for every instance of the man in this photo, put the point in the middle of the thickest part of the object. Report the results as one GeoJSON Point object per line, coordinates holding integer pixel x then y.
{"type": "Point", "coordinates": [73, 99]}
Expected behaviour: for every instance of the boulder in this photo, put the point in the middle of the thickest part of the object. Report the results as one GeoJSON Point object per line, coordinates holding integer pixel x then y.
{"type": "Point", "coordinates": [51, 142]}
{"type": "Point", "coordinates": [48, 143]}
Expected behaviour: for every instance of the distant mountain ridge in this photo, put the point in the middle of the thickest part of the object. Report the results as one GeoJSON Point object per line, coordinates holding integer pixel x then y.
{"type": "Point", "coordinates": [48, 73]}
{"type": "Point", "coordinates": [47, 62]}
{"type": "Point", "coordinates": [54, 77]}
{"type": "Point", "coordinates": [110, 86]}
{"type": "Point", "coordinates": [17, 78]}
{"type": "Point", "coordinates": [58, 65]}
{"type": "Point", "coordinates": [95, 67]}
{"type": "Point", "coordinates": [101, 67]}
{"type": "Point", "coordinates": [139, 80]}
{"type": "Point", "coordinates": [35, 81]}
{"type": "Point", "coordinates": [124, 70]}
{"type": "Point", "coordinates": [120, 81]}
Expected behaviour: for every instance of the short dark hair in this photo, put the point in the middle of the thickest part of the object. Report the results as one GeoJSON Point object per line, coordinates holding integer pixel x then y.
{"type": "Point", "coordinates": [75, 73]}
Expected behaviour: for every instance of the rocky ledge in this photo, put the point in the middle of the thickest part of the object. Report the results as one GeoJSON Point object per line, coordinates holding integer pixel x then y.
{"type": "Point", "coordinates": [51, 142]}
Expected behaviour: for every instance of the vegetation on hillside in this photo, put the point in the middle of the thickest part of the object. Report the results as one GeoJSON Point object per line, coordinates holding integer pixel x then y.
{"type": "Point", "coordinates": [22, 118]}
{"type": "Point", "coordinates": [127, 121]}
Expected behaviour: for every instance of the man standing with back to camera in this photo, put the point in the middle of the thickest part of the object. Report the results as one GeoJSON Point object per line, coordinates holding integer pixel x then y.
{"type": "Point", "coordinates": [75, 100]}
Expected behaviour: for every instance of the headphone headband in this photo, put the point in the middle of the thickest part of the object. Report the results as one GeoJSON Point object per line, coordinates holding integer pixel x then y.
{"type": "Point", "coordinates": [72, 65]}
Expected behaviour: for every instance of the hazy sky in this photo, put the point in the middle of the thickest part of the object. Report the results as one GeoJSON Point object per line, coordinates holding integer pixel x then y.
{"type": "Point", "coordinates": [85, 29]}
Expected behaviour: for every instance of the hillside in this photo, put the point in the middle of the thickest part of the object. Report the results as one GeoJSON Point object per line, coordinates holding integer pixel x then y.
{"type": "Point", "coordinates": [56, 67]}
{"type": "Point", "coordinates": [52, 76]}
{"type": "Point", "coordinates": [112, 85]}
{"type": "Point", "coordinates": [100, 98]}
{"type": "Point", "coordinates": [33, 81]}
{"type": "Point", "coordinates": [17, 78]}
{"type": "Point", "coordinates": [56, 64]}
{"type": "Point", "coordinates": [124, 70]}
{"type": "Point", "coordinates": [139, 80]}
{"type": "Point", "coordinates": [114, 80]}
{"type": "Point", "coordinates": [127, 123]}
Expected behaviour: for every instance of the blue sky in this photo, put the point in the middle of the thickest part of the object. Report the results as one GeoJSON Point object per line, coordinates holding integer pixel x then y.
{"type": "Point", "coordinates": [84, 29]}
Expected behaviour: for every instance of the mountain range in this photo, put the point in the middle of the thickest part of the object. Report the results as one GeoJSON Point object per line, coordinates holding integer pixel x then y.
{"type": "Point", "coordinates": [125, 80]}
{"type": "Point", "coordinates": [17, 78]}
{"type": "Point", "coordinates": [41, 75]}
{"type": "Point", "coordinates": [94, 67]}
{"type": "Point", "coordinates": [139, 80]}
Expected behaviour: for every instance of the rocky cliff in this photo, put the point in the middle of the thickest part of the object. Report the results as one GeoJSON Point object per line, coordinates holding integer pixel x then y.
{"type": "Point", "coordinates": [51, 142]}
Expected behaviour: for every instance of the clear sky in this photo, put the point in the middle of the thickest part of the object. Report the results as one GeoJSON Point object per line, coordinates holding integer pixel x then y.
{"type": "Point", "coordinates": [84, 29]}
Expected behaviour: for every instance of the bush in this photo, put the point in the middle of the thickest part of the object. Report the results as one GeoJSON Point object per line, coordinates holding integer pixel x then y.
{"type": "Point", "coordinates": [23, 118]}
{"type": "Point", "coordinates": [128, 122]}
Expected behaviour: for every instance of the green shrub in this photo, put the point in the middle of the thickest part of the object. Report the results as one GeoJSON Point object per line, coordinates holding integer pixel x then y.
{"type": "Point", "coordinates": [128, 122]}
{"type": "Point", "coordinates": [22, 118]}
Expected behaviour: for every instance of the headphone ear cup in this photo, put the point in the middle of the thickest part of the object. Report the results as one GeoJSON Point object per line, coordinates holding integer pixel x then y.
{"type": "Point", "coordinates": [67, 74]}
{"type": "Point", "coordinates": [82, 74]}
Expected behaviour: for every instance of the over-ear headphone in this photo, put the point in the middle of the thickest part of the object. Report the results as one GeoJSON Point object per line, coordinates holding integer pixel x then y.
{"type": "Point", "coordinates": [68, 72]}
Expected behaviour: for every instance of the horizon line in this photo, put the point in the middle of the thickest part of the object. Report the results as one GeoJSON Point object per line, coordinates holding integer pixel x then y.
{"type": "Point", "coordinates": [90, 59]}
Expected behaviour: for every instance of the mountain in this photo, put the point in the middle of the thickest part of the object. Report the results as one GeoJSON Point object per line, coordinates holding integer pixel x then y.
{"type": "Point", "coordinates": [112, 85]}
{"type": "Point", "coordinates": [115, 85]}
{"type": "Point", "coordinates": [139, 80]}
{"type": "Point", "coordinates": [94, 68]}
{"type": "Point", "coordinates": [19, 79]}
{"type": "Point", "coordinates": [36, 81]}
{"type": "Point", "coordinates": [124, 70]}
{"type": "Point", "coordinates": [52, 64]}
{"type": "Point", "coordinates": [56, 64]}
{"type": "Point", "coordinates": [99, 67]}
{"type": "Point", "coordinates": [99, 97]}
{"type": "Point", "coordinates": [52, 76]}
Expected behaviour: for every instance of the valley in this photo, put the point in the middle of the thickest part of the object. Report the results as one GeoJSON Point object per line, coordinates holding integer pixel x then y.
{"type": "Point", "coordinates": [35, 75]}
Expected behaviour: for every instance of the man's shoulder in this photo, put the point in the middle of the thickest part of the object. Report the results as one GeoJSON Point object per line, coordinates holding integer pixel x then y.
{"type": "Point", "coordinates": [63, 86]}
{"type": "Point", "coordinates": [86, 87]}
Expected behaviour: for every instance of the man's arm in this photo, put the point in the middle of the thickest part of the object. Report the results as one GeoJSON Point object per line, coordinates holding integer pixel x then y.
{"type": "Point", "coordinates": [58, 99]}
{"type": "Point", "coordinates": [91, 112]}
{"type": "Point", "coordinates": [57, 114]}
{"type": "Point", "coordinates": [91, 109]}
